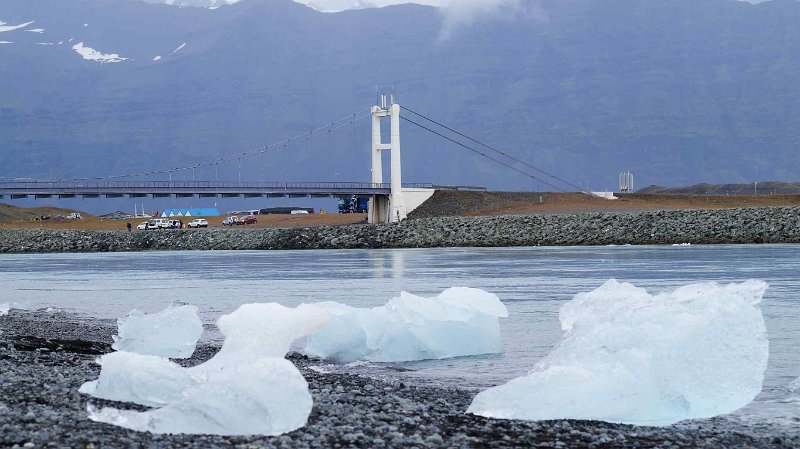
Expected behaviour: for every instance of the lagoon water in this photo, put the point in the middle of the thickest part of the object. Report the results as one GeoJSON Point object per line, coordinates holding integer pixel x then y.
{"type": "Point", "coordinates": [533, 283]}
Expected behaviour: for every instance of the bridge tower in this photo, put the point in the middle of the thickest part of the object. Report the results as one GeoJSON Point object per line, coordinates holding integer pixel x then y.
{"type": "Point", "coordinates": [381, 208]}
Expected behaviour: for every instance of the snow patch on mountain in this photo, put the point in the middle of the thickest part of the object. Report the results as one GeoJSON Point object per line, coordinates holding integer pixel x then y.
{"type": "Point", "coordinates": [91, 54]}
{"type": "Point", "coordinates": [179, 48]}
{"type": "Point", "coordinates": [36, 30]}
{"type": "Point", "coordinates": [6, 42]}
{"type": "Point", "coordinates": [211, 4]}
{"type": "Point", "coordinates": [6, 27]}
{"type": "Point", "coordinates": [157, 58]}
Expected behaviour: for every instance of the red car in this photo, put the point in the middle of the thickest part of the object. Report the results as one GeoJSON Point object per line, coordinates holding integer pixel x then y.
{"type": "Point", "coordinates": [247, 219]}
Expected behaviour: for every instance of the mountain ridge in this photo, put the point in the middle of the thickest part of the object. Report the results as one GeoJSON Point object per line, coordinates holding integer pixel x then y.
{"type": "Point", "coordinates": [583, 91]}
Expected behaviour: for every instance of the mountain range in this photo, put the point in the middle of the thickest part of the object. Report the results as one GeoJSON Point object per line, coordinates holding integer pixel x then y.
{"type": "Point", "coordinates": [677, 91]}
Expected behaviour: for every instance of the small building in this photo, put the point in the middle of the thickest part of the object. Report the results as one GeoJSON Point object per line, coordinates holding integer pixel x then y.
{"type": "Point", "coordinates": [191, 212]}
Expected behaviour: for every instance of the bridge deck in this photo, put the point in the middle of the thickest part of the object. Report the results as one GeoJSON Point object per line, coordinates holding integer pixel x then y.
{"type": "Point", "coordinates": [185, 189]}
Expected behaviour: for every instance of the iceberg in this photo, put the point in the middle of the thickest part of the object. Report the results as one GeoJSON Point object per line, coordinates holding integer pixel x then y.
{"type": "Point", "coordinates": [247, 388]}
{"type": "Point", "coordinates": [142, 379]}
{"type": "Point", "coordinates": [4, 308]}
{"type": "Point", "coordinates": [265, 397]}
{"type": "Point", "coordinates": [173, 332]}
{"type": "Point", "coordinates": [458, 322]}
{"type": "Point", "coordinates": [630, 357]}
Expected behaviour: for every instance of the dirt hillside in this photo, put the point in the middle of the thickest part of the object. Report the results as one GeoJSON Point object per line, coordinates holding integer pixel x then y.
{"type": "Point", "coordinates": [9, 213]}
{"type": "Point", "coordinates": [471, 203]}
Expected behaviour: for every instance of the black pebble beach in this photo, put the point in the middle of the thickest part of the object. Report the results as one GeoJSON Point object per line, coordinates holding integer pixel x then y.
{"type": "Point", "coordinates": [46, 355]}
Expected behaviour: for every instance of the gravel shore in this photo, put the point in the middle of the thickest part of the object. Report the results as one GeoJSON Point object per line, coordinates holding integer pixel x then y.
{"type": "Point", "coordinates": [702, 226]}
{"type": "Point", "coordinates": [46, 355]}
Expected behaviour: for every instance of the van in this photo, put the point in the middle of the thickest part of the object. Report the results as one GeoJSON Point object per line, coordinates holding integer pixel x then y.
{"type": "Point", "coordinates": [158, 223]}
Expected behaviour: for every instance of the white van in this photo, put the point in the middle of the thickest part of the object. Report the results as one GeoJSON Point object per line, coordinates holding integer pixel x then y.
{"type": "Point", "coordinates": [158, 223]}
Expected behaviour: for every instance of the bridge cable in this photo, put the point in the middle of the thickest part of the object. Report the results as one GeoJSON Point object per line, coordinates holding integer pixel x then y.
{"type": "Point", "coordinates": [513, 158]}
{"type": "Point", "coordinates": [223, 160]}
{"type": "Point", "coordinates": [509, 166]}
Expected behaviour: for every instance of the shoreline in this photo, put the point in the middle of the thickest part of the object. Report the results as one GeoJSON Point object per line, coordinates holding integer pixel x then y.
{"type": "Point", "coordinates": [664, 227]}
{"type": "Point", "coordinates": [45, 356]}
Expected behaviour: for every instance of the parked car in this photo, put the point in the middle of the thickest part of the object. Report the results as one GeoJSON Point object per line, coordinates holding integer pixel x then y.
{"type": "Point", "coordinates": [198, 223]}
{"type": "Point", "coordinates": [74, 216]}
{"type": "Point", "coordinates": [142, 226]}
{"type": "Point", "coordinates": [174, 224]}
{"type": "Point", "coordinates": [230, 221]}
{"type": "Point", "coordinates": [248, 219]}
{"type": "Point", "coordinates": [299, 212]}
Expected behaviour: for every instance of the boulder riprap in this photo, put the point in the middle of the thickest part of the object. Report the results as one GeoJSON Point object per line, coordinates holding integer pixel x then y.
{"type": "Point", "coordinates": [698, 226]}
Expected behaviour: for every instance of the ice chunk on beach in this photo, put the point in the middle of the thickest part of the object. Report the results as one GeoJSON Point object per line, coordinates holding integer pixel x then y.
{"type": "Point", "coordinates": [4, 308]}
{"type": "Point", "coordinates": [247, 388]}
{"type": "Point", "coordinates": [142, 379]}
{"type": "Point", "coordinates": [631, 357]}
{"type": "Point", "coordinates": [266, 330]}
{"type": "Point", "coordinates": [458, 322]}
{"type": "Point", "coordinates": [173, 332]}
{"type": "Point", "coordinates": [265, 397]}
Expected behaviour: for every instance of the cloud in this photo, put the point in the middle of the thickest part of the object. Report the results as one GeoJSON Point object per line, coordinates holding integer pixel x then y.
{"type": "Point", "coordinates": [341, 5]}
{"type": "Point", "coordinates": [456, 13]}
{"type": "Point", "coordinates": [461, 13]}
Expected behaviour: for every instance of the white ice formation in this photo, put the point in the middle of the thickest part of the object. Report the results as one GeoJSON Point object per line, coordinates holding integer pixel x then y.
{"type": "Point", "coordinates": [5, 27]}
{"type": "Point", "coordinates": [91, 54]}
{"type": "Point", "coordinates": [631, 357]}
{"type": "Point", "coordinates": [180, 47]}
{"type": "Point", "coordinates": [794, 386]}
{"type": "Point", "coordinates": [459, 322]}
{"type": "Point", "coordinates": [4, 308]}
{"type": "Point", "coordinates": [142, 379]}
{"type": "Point", "coordinates": [248, 388]}
{"type": "Point", "coordinates": [172, 332]}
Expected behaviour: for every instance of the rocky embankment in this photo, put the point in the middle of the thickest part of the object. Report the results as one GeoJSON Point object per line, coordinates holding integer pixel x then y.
{"type": "Point", "coordinates": [704, 226]}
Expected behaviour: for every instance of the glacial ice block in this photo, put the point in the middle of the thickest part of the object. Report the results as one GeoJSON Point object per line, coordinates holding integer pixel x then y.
{"type": "Point", "coordinates": [142, 379]}
{"type": "Point", "coordinates": [247, 388]}
{"type": "Point", "coordinates": [631, 357]}
{"type": "Point", "coordinates": [173, 332]}
{"type": "Point", "coordinates": [458, 322]}
{"type": "Point", "coordinates": [265, 397]}
{"type": "Point", "coordinates": [4, 308]}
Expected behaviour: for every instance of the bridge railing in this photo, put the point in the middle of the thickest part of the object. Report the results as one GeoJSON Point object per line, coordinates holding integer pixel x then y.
{"type": "Point", "coordinates": [53, 185]}
{"type": "Point", "coordinates": [99, 184]}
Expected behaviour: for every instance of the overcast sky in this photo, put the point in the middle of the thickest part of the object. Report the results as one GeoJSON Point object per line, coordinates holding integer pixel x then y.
{"type": "Point", "coordinates": [339, 5]}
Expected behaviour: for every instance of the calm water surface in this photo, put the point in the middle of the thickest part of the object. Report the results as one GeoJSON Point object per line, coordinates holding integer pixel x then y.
{"type": "Point", "coordinates": [532, 282]}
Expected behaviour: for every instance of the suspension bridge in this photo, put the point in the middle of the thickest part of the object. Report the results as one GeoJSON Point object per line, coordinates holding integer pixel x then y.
{"type": "Point", "coordinates": [388, 202]}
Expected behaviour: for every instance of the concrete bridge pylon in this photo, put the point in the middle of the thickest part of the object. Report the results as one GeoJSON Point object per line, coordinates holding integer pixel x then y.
{"type": "Point", "coordinates": [384, 209]}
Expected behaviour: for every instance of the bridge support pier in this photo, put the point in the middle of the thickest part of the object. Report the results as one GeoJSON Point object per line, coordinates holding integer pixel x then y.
{"type": "Point", "coordinates": [396, 208]}
{"type": "Point", "coordinates": [378, 209]}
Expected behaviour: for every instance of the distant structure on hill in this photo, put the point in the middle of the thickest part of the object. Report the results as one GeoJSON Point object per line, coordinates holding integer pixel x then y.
{"type": "Point", "coordinates": [626, 182]}
{"type": "Point", "coordinates": [198, 212]}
